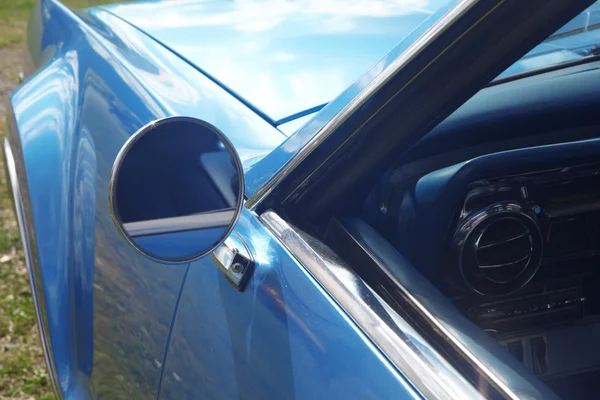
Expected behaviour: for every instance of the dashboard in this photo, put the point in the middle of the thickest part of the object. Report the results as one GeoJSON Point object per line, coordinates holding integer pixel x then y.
{"type": "Point", "coordinates": [499, 207]}
{"type": "Point", "coordinates": [527, 249]}
{"type": "Point", "coordinates": [525, 264]}
{"type": "Point", "coordinates": [512, 240]}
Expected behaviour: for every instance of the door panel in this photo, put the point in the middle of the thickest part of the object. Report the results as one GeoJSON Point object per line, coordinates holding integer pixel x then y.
{"type": "Point", "coordinates": [281, 338]}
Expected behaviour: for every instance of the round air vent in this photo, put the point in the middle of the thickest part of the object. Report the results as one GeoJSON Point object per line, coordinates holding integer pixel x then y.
{"type": "Point", "coordinates": [500, 249]}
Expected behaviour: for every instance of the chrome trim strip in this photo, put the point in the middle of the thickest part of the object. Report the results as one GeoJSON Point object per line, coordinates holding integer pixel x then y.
{"type": "Point", "coordinates": [359, 100]}
{"type": "Point", "coordinates": [300, 114]}
{"type": "Point", "coordinates": [205, 220]}
{"type": "Point", "coordinates": [235, 260]}
{"type": "Point", "coordinates": [42, 324]}
{"type": "Point", "coordinates": [424, 302]}
{"type": "Point", "coordinates": [429, 373]}
{"type": "Point", "coordinates": [506, 264]}
{"type": "Point", "coordinates": [501, 242]}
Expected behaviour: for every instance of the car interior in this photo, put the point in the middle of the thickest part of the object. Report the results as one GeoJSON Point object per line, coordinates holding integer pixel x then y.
{"type": "Point", "coordinates": [492, 222]}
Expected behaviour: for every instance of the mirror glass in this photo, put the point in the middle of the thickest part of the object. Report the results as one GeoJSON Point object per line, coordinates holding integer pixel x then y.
{"type": "Point", "coordinates": [176, 189]}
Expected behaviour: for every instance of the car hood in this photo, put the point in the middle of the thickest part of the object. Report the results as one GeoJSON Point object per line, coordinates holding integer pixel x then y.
{"type": "Point", "coordinates": [282, 57]}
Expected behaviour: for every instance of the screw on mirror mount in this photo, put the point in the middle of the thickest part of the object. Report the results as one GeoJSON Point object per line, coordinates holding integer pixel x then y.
{"type": "Point", "coordinates": [235, 261]}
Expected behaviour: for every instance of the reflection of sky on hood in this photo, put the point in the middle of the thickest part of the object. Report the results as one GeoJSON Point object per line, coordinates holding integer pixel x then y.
{"type": "Point", "coordinates": [282, 56]}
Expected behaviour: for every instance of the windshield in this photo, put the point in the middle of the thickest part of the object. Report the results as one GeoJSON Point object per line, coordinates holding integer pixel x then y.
{"type": "Point", "coordinates": [578, 39]}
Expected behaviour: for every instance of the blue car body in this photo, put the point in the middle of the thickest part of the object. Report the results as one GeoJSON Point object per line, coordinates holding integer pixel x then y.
{"type": "Point", "coordinates": [99, 80]}
{"type": "Point", "coordinates": [117, 325]}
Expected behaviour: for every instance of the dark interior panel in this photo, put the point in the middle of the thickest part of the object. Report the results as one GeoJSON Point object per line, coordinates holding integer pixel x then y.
{"type": "Point", "coordinates": [499, 208]}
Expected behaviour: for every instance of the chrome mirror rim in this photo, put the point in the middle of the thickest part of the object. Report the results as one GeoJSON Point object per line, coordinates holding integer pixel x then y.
{"type": "Point", "coordinates": [112, 184]}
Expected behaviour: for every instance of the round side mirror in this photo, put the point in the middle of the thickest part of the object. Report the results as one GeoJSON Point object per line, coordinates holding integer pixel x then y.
{"type": "Point", "coordinates": [176, 189]}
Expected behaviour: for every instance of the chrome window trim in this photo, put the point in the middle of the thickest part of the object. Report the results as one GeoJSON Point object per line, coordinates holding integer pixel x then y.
{"type": "Point", "coordinates": [205, 220]}
{"type": "Point", "coordinates": [416, 48]}
{"type": "Point", "coordinates": [431, 375]}
{"type": "Point", "coordinates": [37, 293]}
{"type": "Point", "coordinates": [421, 299]}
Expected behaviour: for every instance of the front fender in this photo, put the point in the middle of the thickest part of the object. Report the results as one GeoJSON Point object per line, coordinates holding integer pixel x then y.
{"type": "Point", "coordinates": [105, 311]}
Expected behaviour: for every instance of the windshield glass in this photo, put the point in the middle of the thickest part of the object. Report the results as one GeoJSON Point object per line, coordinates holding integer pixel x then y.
{"type": "Point", "coordinates": [578, 39]}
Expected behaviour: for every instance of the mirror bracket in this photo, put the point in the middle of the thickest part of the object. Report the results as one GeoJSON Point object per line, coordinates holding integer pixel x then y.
{"type": "Point", "coordinates": [235, 261]}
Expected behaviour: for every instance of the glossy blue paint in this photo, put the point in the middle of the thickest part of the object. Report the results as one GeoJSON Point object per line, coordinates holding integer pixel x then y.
{"type": "Point", "coordinates": [301, 133]}
{"type": "Point", "coordinates": [269, 165]}
{"type": "Point", "coordinates": [559, 50]}
{"type": "Point", "coordinates": [283, 57]}
{"type": "Point", "coordinates": [110, 309]}
{"type": "Point", "coordinates": [99, 80]}
{"type": "Point", "coordinates": [289, 128]}
{"type": "Point", "coordinates": [300, 115]}
{"type": "Point", "coordinates": [281, 338]}
{"type": "Point", "coordinates": [167, 84]}
{"type": "Point", "coordinates": [63, 114]}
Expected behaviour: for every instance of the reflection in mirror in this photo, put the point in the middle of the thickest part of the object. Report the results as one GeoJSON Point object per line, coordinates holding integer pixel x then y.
{"type": "Point", "coordinates": [176, 189]}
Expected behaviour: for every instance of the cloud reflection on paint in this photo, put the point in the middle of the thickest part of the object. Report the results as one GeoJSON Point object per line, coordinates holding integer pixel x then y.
{"type": "Point", "coordinates": [282, 56]}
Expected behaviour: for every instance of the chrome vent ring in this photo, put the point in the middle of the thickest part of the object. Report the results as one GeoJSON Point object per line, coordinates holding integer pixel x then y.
{"type": "Point", "coordinates": [500, 248]}
{"type": "Point", "coordinates": [504, 249]}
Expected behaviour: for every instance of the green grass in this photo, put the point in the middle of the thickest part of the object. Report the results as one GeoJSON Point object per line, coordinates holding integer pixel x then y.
{"type": "Point", "coordinates": [23, 373]}
{"type": "Point", "coordinates": [15, 13]}
{"type": "Point", "coordinates": [13, 17]}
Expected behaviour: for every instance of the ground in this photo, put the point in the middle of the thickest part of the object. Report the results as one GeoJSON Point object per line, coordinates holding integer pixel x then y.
{"type": "Point", "coordinates": [23, 373]}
